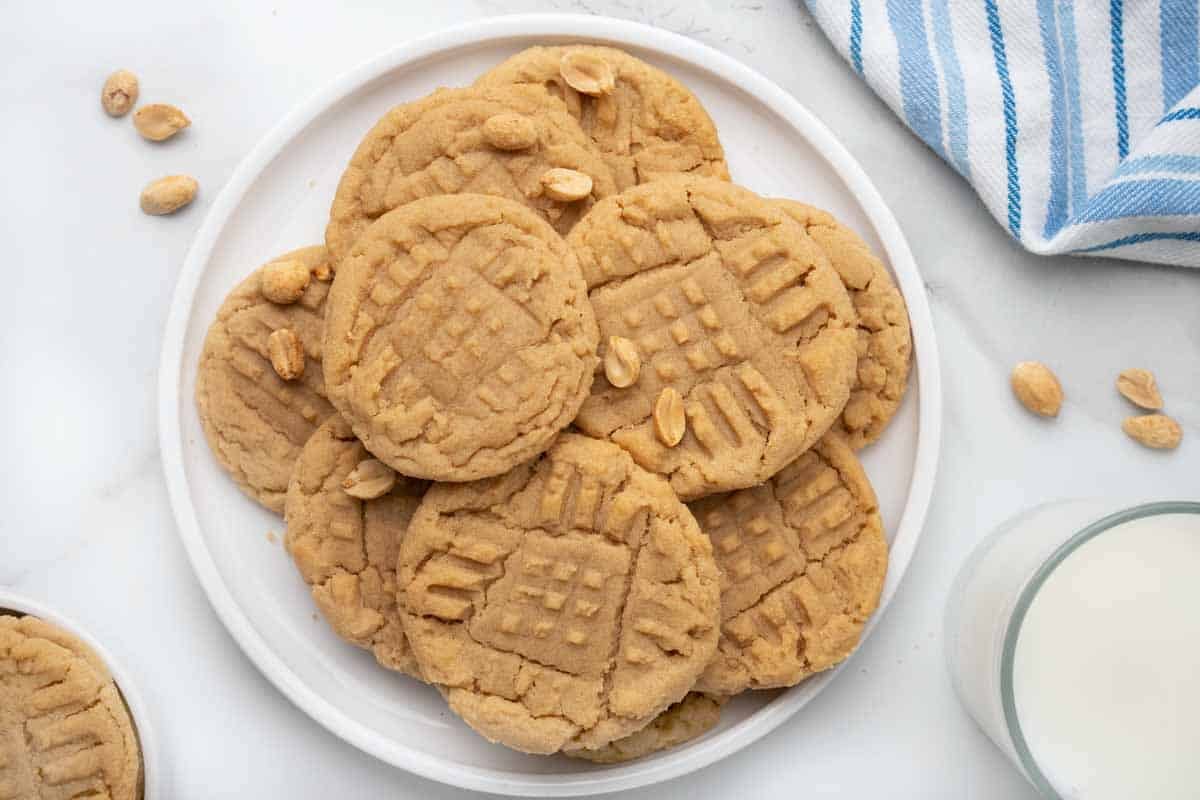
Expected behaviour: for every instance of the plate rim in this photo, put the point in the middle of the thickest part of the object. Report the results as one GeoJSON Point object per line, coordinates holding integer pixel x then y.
{"type": "Point", "coordinates": [411, 53]}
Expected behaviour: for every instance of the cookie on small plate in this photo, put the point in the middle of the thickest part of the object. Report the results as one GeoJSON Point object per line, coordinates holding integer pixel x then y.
{"type": "Point", "coordinates": [690, 718]}
{"type": "Point", "coordinates": [736, 336]}
{"type": "Point", "coordinates": [884, 337]}
{"type": "Point", "coordinates": [646, 123]}
{"type": "Point", "coordinates": [802, 560]}
{"type": "Point", "coordinates": [255, 419]}
{"type": "Point", "coordinates": [346, 515]}
{"type": "Point", "coordinates": [503, 141]}
{"type": "Point", "coordinates": [459, 340]}
{"type": "Point", "coordinates": [563, 605]}
{"type": "Point", "coordinates": [64, 729]}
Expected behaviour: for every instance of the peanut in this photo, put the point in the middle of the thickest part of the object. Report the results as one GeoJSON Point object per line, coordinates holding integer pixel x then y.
{"type": "Point", "coordinates": [370, 479]}
{"type": "Point", "coordinates": [119, 94]}
{"type": "Point", "coordinates": [287, 353]}
{"type": "Point", "coordinates": [1153, 430]}
{"type": "Point", "coordinates": [510, 132]}
{"type": "Point", "coordinates": [1139, 387]}
{"type": "Point", "coordinates": [566, 185]}
{"type": "Point", "coordinates": [622, 364]}
{"type": "Point", "coordinates": [168, 195]}
{"type": "Point", "coordinates": [284, 282]}
{"type": "Point", "coordinates": [1037, 388]}
{"type": "Point", "coordinates": [669, 421]}
{"type": "Point", "coordinates": [586, 73]}
{"type": "Point", "coordinates": [159, 121]}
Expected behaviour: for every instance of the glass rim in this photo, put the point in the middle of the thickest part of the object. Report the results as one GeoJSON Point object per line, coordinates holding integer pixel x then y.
{"type": "Point", "coordinates": [1030, 592]}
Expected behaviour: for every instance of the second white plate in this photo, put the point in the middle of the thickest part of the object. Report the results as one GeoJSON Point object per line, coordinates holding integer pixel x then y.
{"type": "Point", "coordinates": [279, 199]}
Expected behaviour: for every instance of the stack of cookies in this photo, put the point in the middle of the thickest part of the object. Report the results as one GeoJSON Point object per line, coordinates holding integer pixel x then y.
{"type": "Point", "coordinates": [562, 421]}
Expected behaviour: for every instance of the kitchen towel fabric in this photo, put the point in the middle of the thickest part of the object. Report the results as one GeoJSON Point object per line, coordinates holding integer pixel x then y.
{"type": "Point", "coordinates": [1078, 123]}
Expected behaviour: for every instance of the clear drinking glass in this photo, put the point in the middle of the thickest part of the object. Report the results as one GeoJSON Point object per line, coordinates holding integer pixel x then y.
{"type": "Point", "coordinates": [989, 602]}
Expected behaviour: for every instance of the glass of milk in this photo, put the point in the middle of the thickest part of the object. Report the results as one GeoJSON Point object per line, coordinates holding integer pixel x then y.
{"type": "Point", "coordinates": [1073, 638]}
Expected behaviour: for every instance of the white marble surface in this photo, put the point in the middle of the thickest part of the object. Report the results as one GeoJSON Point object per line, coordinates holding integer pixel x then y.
{"type": "Point", "coordinates": [87, 527]}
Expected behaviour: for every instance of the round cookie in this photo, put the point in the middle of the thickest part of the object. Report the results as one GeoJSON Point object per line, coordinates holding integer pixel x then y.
{"type": "Point", "coordinates": [459, 340]}
{"type": "Point", "coordinates": [439, 145]}
{"type": "Point", "coordinates": [346, 547]}
{"type": "Point", "coordinates": [254, 420]}
{"type": "Point", "coordinates": [690, 718]}
{"type": "Point", "coordinates": [64, 729]}
{"type": "Point", "coordinates": [647, 125]}
{"type": "Point", "coordinates": [563, 605]}
{"type": "Point", "coordinates": [728, 303]}
{"type": "Point", "coordinates": [884, 337]}
{"type": "Point", "coordinates": [802, 560]}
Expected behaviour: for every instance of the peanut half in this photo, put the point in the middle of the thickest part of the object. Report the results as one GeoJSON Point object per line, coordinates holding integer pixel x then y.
{"type": "Point", "coordinates": [119, 94]}
{"type": "Point", "coordinates": [566, 185]}
{"type": "Point", "coordinates": [159, 121]}
{"type": "Point", "coordinates": [168, 195]}
{"type": "Point", "coordinates": [510, 132]}
{"type": "Point", "coordinates": [586, 73]}
{"type": "Point", "coordinates": [622, 364]}
{"type": "Point", "coordinates": [287, 353]}
{"type": "Point", "coordinates": [1139, 387]}
{"type": "Point", "coordinates": [284, 282]}
{"type": "Point", "coordinates": [1153, 430]}
{"type": "Point", "coordinates": [669, 421]}
{"type": "Point", "coordinates": [1037, 388]}
{"type": "Point", "coordinates": [370, 479]}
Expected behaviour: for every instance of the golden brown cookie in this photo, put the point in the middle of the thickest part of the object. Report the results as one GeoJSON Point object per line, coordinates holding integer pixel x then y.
{"type": "Point", "coordinates": [645, 122]}
{"type": "Point", "coordinates": [255, 420]}
{"type": "Point", "coordinates": [64, 729]}
{"type": "Point", "coordinates": [498, 141]}
{"type": "Point", "coordinates": [562, 605]}
{"type": "Point", "coordinates": [802, 561]}
{"type": "Point", "coordinates": [690, 718]}
{"type": "Point", "coordinates": [344, 537]}
{"type": "Point", "coordinates": [725, 301]}
{"type": "Point", "coordinates": [884, 338]}
{"type": "Point", "coordinates": [459, 340]}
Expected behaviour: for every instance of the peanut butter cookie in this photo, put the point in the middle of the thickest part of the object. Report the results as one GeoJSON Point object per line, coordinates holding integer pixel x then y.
{"type": "Point", "coordinates": [645, 122]}
{"type": "Point", "coordinates": [501, 141]}
{"type": "Point", "coordinates": [64, 729]}
{"type": "Point", "coordinates": [690, 718]}
{"type": "Point", "coordinates": [256, 419]}
{"type": "Point", "coordinates": [802, 561]}
{"type": "Point", "coordinates": [563, 605]}
{"type": "Point", "coordinates": [884, 338]}
{"type": "Point", "coordinates": [459, 339]}
{"type": "Point", "coordinates": [346, 547]}
{"type": "Point", "coordinates": [744, 333]}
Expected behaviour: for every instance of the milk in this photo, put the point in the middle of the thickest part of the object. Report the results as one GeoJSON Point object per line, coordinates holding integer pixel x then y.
{"type": "Point", "coordinates": [1073, 639]}
{"type": "Point", "coordinates": [1106, 672]}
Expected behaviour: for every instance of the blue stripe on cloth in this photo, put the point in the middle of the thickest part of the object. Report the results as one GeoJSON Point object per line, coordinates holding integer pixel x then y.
{"type": "Point", "coordinates": [1065, 15]}
{"type": "Point", "coordinates": [1138, 238]}
{"type": "Point", "coordinates": [1010, 118]}
{"type": "Point", "coordinates": [1161, 197]}
{"type": "Point", "coordinates": [1161, 163]}
{"type": "Point", "coordinates": [1179, 38]}
{"type": "Point", "coordinates": [918, 81]}
{"type": "Point", "coordinates": [1056, 207]}
{"type": "Point", "coordinates": [956, 93]}
{"type": "Point", "coordinates": [856, 35]}
{"type": "Point", "coordinates": [1117, 38]}
{"type": "Point", "coordinates": [1181, 113]}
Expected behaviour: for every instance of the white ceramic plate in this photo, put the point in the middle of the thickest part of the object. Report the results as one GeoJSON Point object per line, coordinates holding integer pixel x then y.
{"type": "Point", "coordinates": [152, 775]}
{"type": "Point", "coordinates": [278, 199]}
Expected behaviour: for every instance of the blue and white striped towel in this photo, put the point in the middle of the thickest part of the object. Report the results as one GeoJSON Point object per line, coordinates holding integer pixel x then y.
{"type": "Point", "coordinates": [1077, 122]}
